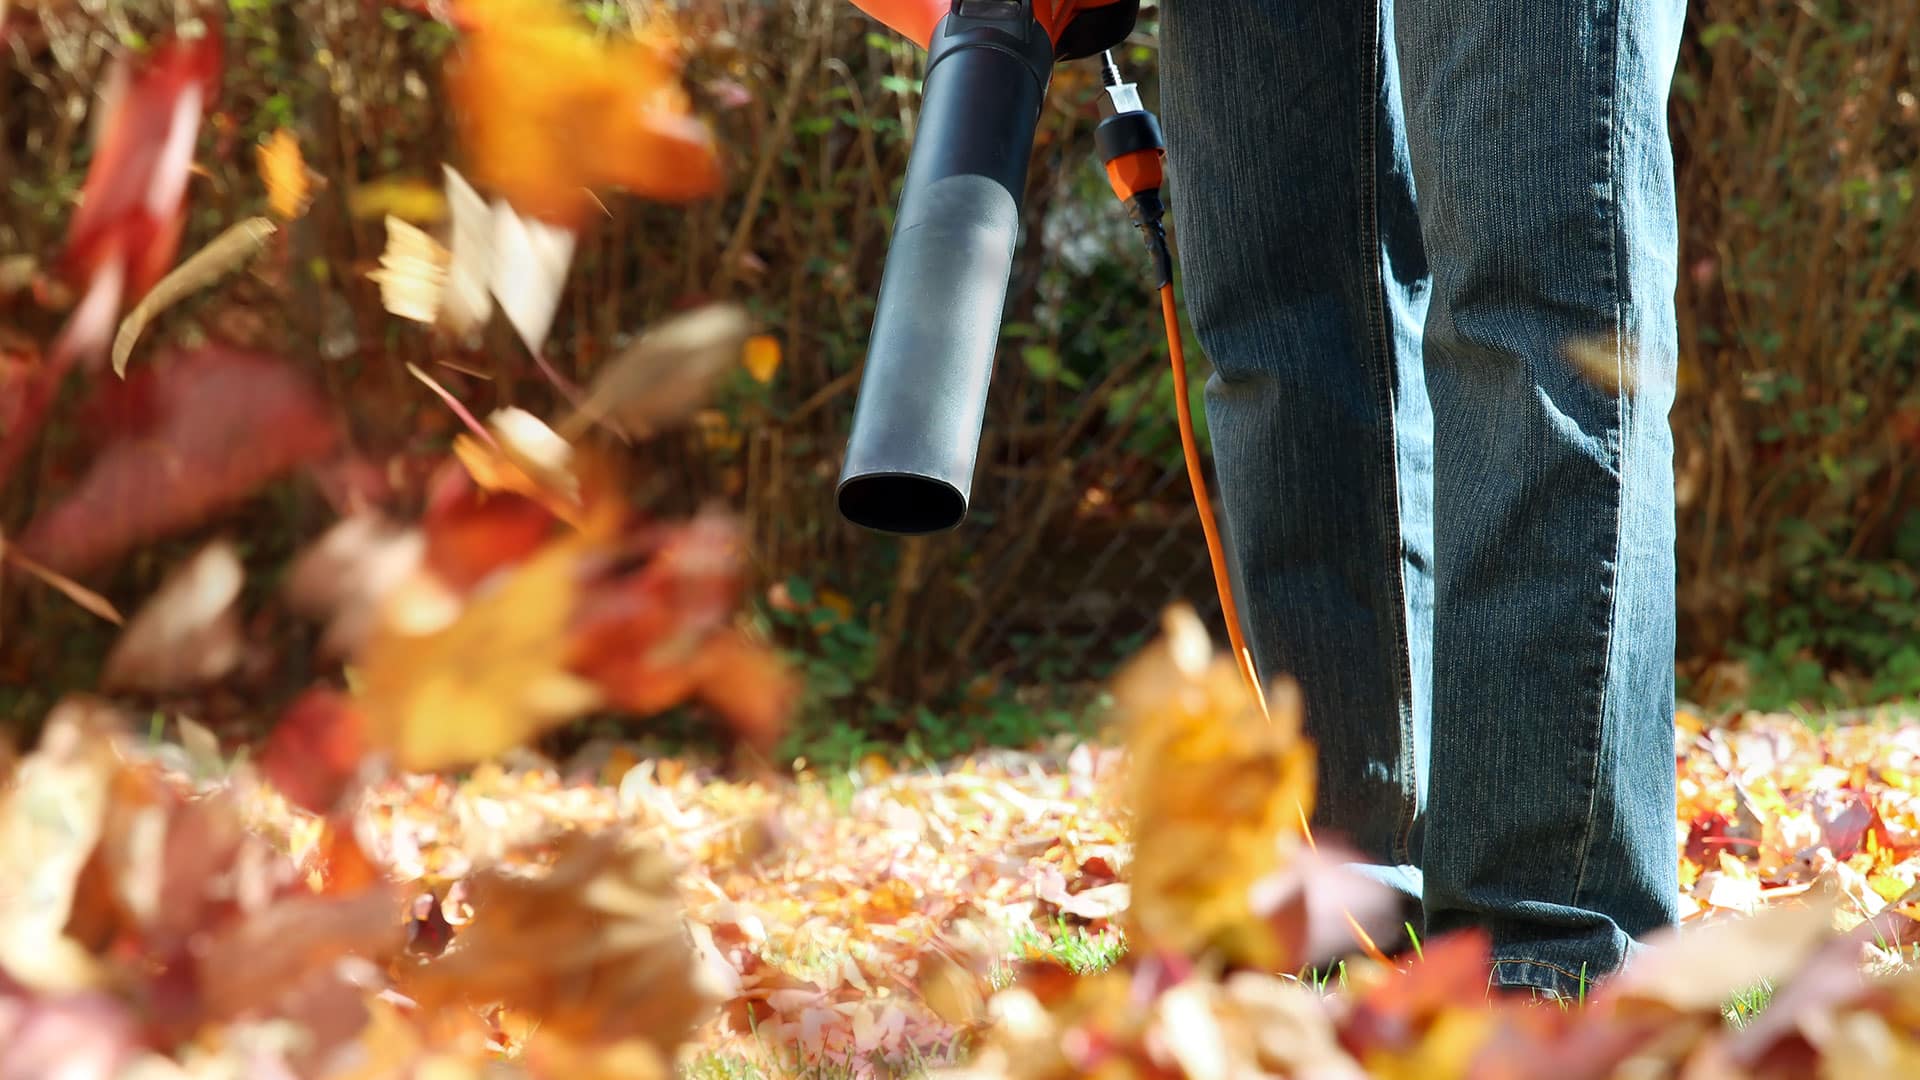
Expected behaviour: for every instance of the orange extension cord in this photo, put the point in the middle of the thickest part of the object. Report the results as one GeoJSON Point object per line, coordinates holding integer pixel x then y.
{"type": "Point", "coordinates": [1196, 476]}
{"type": "Point", "coordinates": [1216, 553]}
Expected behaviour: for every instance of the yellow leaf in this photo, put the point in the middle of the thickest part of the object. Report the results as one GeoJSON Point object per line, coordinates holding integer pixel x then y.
{"type": "Point", "coordinates": [762, 357]}
{"type": "Point", "coordinates": [409, 199]}
{"type": "Point", "coordinates": [284, 171]}
{"type": "Point", "coordinates": [492, 680]}
{"type": "Point", "coordinates": [1219, 793]}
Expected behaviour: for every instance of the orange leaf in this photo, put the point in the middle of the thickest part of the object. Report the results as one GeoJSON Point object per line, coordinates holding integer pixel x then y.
{"type": "Point", "coordinates": [284, 171]}
{"type": "Point", "coordinates": [762, 357]}
{"type": "Point", "coordinates": [549, 111]}
{"type": "Point", "coordinates": [313, 754]}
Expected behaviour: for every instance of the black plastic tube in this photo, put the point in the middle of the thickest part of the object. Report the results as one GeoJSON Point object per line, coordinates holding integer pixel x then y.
{"type": "Point", "coordinates": [923, 394]}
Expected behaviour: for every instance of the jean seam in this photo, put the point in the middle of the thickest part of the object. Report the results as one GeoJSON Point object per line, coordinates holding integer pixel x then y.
{"type": "Point", "coordinates": [1607, 24]}
{"type": "Point", "coordinates": [1370, 90]}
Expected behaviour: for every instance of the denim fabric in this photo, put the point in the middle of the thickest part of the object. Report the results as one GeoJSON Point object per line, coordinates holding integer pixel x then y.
{"type": "Point", "coordinates": [1394, 219]}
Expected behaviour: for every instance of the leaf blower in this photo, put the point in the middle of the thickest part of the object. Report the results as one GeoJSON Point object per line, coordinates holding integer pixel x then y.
{"type": "Point", "coordinates": [923, 394]}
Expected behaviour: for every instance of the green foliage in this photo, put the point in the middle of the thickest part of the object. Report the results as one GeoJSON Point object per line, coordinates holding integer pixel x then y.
{"type": "Point", "coordinates": [1840, 615]}
{"type": "Point", "coordinates": [1800, 311]}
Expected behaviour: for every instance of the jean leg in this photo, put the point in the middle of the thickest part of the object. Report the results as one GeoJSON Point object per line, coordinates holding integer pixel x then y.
{"type": "Point", "coordinates": [1305, 279]}
{"type": "Point", "coordinates": [1541, 152]}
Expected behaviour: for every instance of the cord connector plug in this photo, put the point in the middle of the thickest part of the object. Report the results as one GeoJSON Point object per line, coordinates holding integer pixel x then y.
{"type": "Point", "coordinates": [1134, 153]}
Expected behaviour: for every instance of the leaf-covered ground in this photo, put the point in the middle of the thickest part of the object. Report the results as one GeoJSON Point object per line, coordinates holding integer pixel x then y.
{"type": "Point", "coordinates": [861, 922]}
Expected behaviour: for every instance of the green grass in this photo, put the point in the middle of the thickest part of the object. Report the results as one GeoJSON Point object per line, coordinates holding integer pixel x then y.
{"type": "Point", "coordinates": [1746, 1004]}
{"type": "Point", "coordinates": [1073, 947]}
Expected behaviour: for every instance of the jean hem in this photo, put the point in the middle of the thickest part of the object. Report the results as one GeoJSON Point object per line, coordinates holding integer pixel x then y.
{"type": "Point", "coordinates": [1515, 973]}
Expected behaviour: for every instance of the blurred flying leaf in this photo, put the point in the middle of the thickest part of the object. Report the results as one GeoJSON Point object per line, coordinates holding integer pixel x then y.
{"type": "Point", "coordinates": [594, 951]}
{"type": "Point", "coordinates": [488, 682]}
{"type": "Point", "coordinates": [467, 296]}
{"type": "Point", "coordinates": [525, 457]}
{"type": "Point", "coordinates": [190, 436]}
{"type": "Point", "coordinates": [188, 634]}
{"type": "Point", "coordinates": [1700, 968]}
{"type": "Point", "coordinates": [342, 578]}
{"type": "Point", "coordinates": [1220, 796]}
{"type": "Point", "coordinates": [660, 634]}
{"type": "Point", "coordinates": [528, 271]}
{"type": "Point", "coordinates": [409, 199]}
{"type": "Point", "coordinates": [87, 1035]}
{"type": "Point", "coordinates": [762, 357]}
{"type": "Point", "coordinates": [235, 245]}
{"type": "Point", "coordinates": [86, 598]}
{"type": "Point", "coordinates": [315, 750]}
{"type": "Point", "coordinates": [132, 208]}
{"type": "Point", "coordinates": [413, 272]}
{"type": "Point", "coordinates": [665, 375]}
{"type": "Point", "coordinates": [497, 256]}
{"type": "Point", "coordinates": [549, 111]}
{"type": "Point", "coordinates": [1602, 361]}
{"type": "Point", "coordinates": [284, 172]}
{"type": "Point", "coordinates": [51, 809]}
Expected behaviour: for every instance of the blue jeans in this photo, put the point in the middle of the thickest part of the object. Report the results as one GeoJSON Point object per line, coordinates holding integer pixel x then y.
{"type": "Point", "coordinates": [1396, 222]}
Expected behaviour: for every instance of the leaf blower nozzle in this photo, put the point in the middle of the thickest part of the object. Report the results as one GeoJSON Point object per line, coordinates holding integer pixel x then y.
{"type": "Point", "coordinates": [923, 394]}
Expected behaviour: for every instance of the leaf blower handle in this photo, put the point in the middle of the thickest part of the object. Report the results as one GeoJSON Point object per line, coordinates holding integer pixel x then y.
{"type": "Point", "coordinates": [922, 402]}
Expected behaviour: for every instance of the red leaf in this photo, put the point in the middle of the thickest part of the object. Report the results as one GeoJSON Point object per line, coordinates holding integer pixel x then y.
{"type": "Point", "coordinates": [471, 535]}
{"type": "Point", "coordinates": [313, 755]}
{"type": "Point", "coordinates": [1451, 971]}
{"type": "Point", "coordinates": [222, 424]}
{"type": "Point", "coordinates": [661, 635]}
{"type": "Point", "coordinates": [132, 209]}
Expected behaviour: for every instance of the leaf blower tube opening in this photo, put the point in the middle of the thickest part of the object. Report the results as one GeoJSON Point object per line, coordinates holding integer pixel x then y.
{"type": "Point", "coordinates": [923, 394]}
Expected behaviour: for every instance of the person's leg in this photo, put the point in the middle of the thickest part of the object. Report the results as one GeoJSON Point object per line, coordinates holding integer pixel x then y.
{"type": "Point", "coordinates": [1292, 207]}
{"type": "Point", "coordinates": [1542, 160]}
